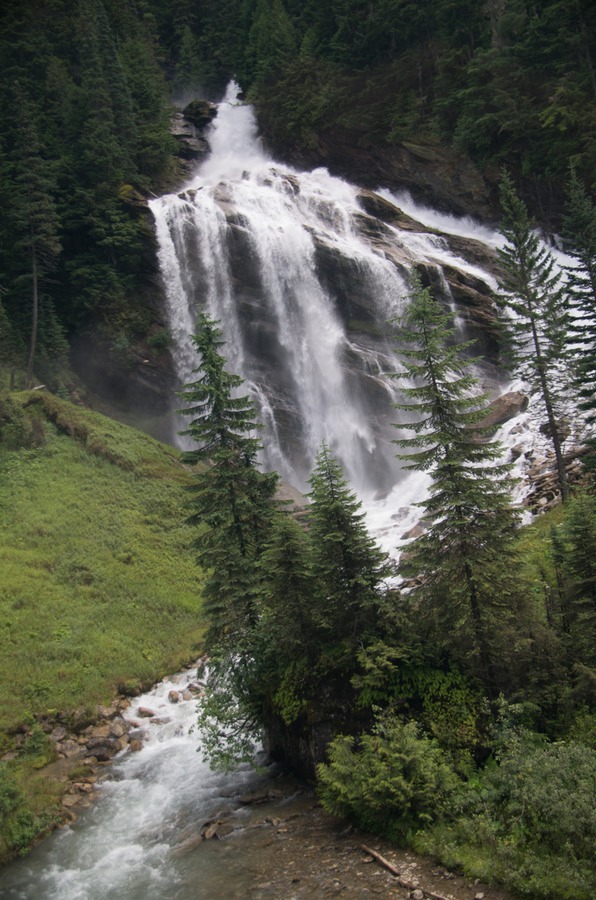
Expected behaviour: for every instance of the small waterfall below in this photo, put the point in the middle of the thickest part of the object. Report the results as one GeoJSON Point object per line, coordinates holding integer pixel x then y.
{"type": "Point", "coordinates": [304, 282]}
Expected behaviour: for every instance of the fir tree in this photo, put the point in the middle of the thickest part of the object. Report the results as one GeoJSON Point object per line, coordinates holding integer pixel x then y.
{"type": "Point", "coordinates": [288, 590]}
{"type": "Point", "coordinates": [232, 501]}
{"type": "Point", "coordinates": [537, 330]}
{"type": "Point", "coordinates": [464, 561]}
{"type": "Point", "coordinates": [348, 566]}
{"type": "Point", "coordinates": [579, 564]}
{"type": "Point", "coordinates": [580, 243]}
{"type": "Point", "coordinates": [35, 214]}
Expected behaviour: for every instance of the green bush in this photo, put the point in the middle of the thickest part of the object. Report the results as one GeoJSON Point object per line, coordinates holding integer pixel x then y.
{"type": "Point", "coordinates": [528, 820]}
{"type": "Point", "coordinates": [393, 781]}
{"type": "Point", "coordinates": [18, 826]}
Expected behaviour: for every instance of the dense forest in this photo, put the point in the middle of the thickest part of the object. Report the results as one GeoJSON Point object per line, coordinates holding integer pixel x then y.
{"type": "Point", "coordinates": [86, 98]}
{"type": "Point", "coordinates": [448, 704]}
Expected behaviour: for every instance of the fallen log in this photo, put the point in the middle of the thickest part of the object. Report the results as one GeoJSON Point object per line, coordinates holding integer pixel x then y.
{"type": "Point", "coordinates": [381, 859]}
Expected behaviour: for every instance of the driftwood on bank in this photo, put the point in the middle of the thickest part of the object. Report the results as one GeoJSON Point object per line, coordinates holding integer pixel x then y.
{"type": "Point", "coordinates": [395, 871]}
{"type": "Point", "coordinates": [381, 859]}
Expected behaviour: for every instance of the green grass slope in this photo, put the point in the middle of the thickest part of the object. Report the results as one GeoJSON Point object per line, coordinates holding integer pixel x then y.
{"type": "Point", "coordinates": [98, 582]}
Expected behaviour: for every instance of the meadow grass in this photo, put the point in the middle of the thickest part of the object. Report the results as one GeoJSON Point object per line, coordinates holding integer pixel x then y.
{"type": "Point", "coordinates": [98, 584]}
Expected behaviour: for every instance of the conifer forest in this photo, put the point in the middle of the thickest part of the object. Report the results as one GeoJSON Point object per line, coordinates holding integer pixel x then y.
{"type": "Point", "coordinates": [298, 378]}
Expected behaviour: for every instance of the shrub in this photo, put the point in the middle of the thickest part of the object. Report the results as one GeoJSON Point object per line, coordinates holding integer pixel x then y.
{"type": "Point", "coordinates": [528, 820]}
{"type": "Point", "coordinates": [394, 780]}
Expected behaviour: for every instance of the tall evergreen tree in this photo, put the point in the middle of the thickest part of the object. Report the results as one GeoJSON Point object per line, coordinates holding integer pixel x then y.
{"type": "Point", "coordinates": [578, 560]}
{"type": "Point", "coordinates": [464, 561]}
{"type": "Point", "coordinates": [580, 243]}
{"type": "Point", "coordinates": [35, 214]}
{"type": "Point", "coordinates": [348, 566]}
{"type": "Point", "coordinates": [292, 618]}
{"type": "Point", "coordinates": [232, 501]}
{"type": "Point", "coordinates": [537, 329]}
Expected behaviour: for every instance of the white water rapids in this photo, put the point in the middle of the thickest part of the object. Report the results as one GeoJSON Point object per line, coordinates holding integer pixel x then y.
{"type": "Point", "coordinates": [278, 257]}
{"type": "Point", "coordinates": [304, 293]}
{"type": "Point", "coordinates": [135, 842]}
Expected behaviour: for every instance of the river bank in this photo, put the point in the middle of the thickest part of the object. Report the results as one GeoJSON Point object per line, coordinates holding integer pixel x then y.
{"type": "Point", "coordinates": [157, 823]}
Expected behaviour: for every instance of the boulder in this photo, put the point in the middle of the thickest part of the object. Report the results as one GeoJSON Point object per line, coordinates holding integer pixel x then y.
{"type": "Point", "coordinates": [200, 113]}
{"type": "Point", "coordinates": [505, 408]}
{"type": "Point", "coordinates": [118, 728]}
{"type": "Point", "coordinates": [102, 748]}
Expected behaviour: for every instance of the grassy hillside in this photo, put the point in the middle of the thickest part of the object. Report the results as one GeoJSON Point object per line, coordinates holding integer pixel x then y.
{"type": "Point", "coordinates": [99, 588]}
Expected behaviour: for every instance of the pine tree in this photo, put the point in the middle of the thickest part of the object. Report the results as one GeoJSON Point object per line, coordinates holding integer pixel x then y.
{"type": "Point", "coordinates": [271, 41]}
{"type": "Point", "coordinates": [35, 213]}
{"type": "Point", "coordinates": [580, 243]}
{"type": "Point", "coordinates": [537, 330]}
{"type": "Point", "coordinates": [232, 501]}
{"type": "Point", "coordinates": [288, 588]}
{"type": "Point", "coordinates": [579, 563]}
{"type": "Point", "coordinates": [348, 566]}
{"type": "Point", "coordinates": [464, 561]}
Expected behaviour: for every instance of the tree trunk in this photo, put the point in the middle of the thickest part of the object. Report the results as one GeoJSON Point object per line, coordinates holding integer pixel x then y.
{"type": "Point", "coordinates": [34, 318]}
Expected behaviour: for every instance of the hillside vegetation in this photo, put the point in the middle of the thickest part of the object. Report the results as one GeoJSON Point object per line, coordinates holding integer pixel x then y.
{"type": "Point", "coordinates": [99, 589]}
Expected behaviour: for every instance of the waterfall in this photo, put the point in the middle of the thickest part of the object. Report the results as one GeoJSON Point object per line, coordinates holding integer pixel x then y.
{"type": "Point", "coordinates": [305, 273]}
{"type": "Point", "coordinates": [303, 291]}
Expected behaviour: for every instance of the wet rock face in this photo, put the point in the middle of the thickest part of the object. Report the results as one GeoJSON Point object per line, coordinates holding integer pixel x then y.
{"type": "Point", "coordinates": [432, 173]}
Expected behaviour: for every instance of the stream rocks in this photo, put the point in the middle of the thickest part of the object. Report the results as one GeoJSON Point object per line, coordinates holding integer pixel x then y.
{"type": "Point", "coordinates": [85, 741]}
{"type": "Point", "coordinates": [286, 846]}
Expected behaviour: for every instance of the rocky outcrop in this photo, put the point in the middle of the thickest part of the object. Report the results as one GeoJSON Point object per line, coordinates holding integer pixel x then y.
{"type": "Point", "coordinates": [431, 172]}
{"type": "Point", "coordinates": [187, 128]}
{"type": "Point", "coordinates": [200, 113]}
{"type": "Point", "coordinates": [471, 294]}
{"type": "Point", "coordinates": [504, 408]}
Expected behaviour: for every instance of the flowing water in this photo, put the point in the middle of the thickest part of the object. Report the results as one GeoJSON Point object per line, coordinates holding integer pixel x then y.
{"type": "Point", "coordinates": [130, 845]}
{"type": "Point", "coordinates": [303, 283]}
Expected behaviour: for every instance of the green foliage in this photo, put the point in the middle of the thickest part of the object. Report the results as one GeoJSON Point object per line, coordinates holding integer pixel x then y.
{"type": "Point", "coordinates": [465, 560]}
{"type": "Point", "coordinates": [347, 565]}
{"type": "Point", "coordinates": [527, 820]}
{"type": "Point", "coordinates": [231, 500]}
{"type": "Point", "coordinates": [574, 547]}
{"type": "Point", "coordinates": [18, 825]}
{"type": "Point", "coordinates": [229, 715]}
{"type": "Point", "coordinates": [85, 78]}
{"type": "Point", "coordinates": [538, 329]}
{"type": "Point", "coordinates": [392, 781]}
{"type": "Point", "coordinates": [506, 83]}
{"type": "Point", "coordinates": [580, 243]}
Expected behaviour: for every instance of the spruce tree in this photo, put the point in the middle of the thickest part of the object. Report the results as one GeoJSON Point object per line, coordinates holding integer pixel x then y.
{"type": "Point", "coordinates": [288, 588]}
{"type": "Point", "coordinates": [579, 564]}
{"type": "Point", "coordinates": [35, 214]}
{"type": "Point", "coordinates": [232, 501]}
{"type": "Point", "coordinates": [464, 561]}
{"type": "Point", "coordinates": [580, 243]}
{"type": "Point", "coordinates": [537, 329]}
{"type": "Point", "coordinates": [348, 566]}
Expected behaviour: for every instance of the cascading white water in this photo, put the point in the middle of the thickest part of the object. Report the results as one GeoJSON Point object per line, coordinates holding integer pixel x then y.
{"type": "Point", "coordinates": [304, 285]}
{"type": "Point", "coordinates": [133, 843]}
{"type": "Point", "coordinates": [303, 298]}
{"type": "Point", "coordinates": [276, 256]}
